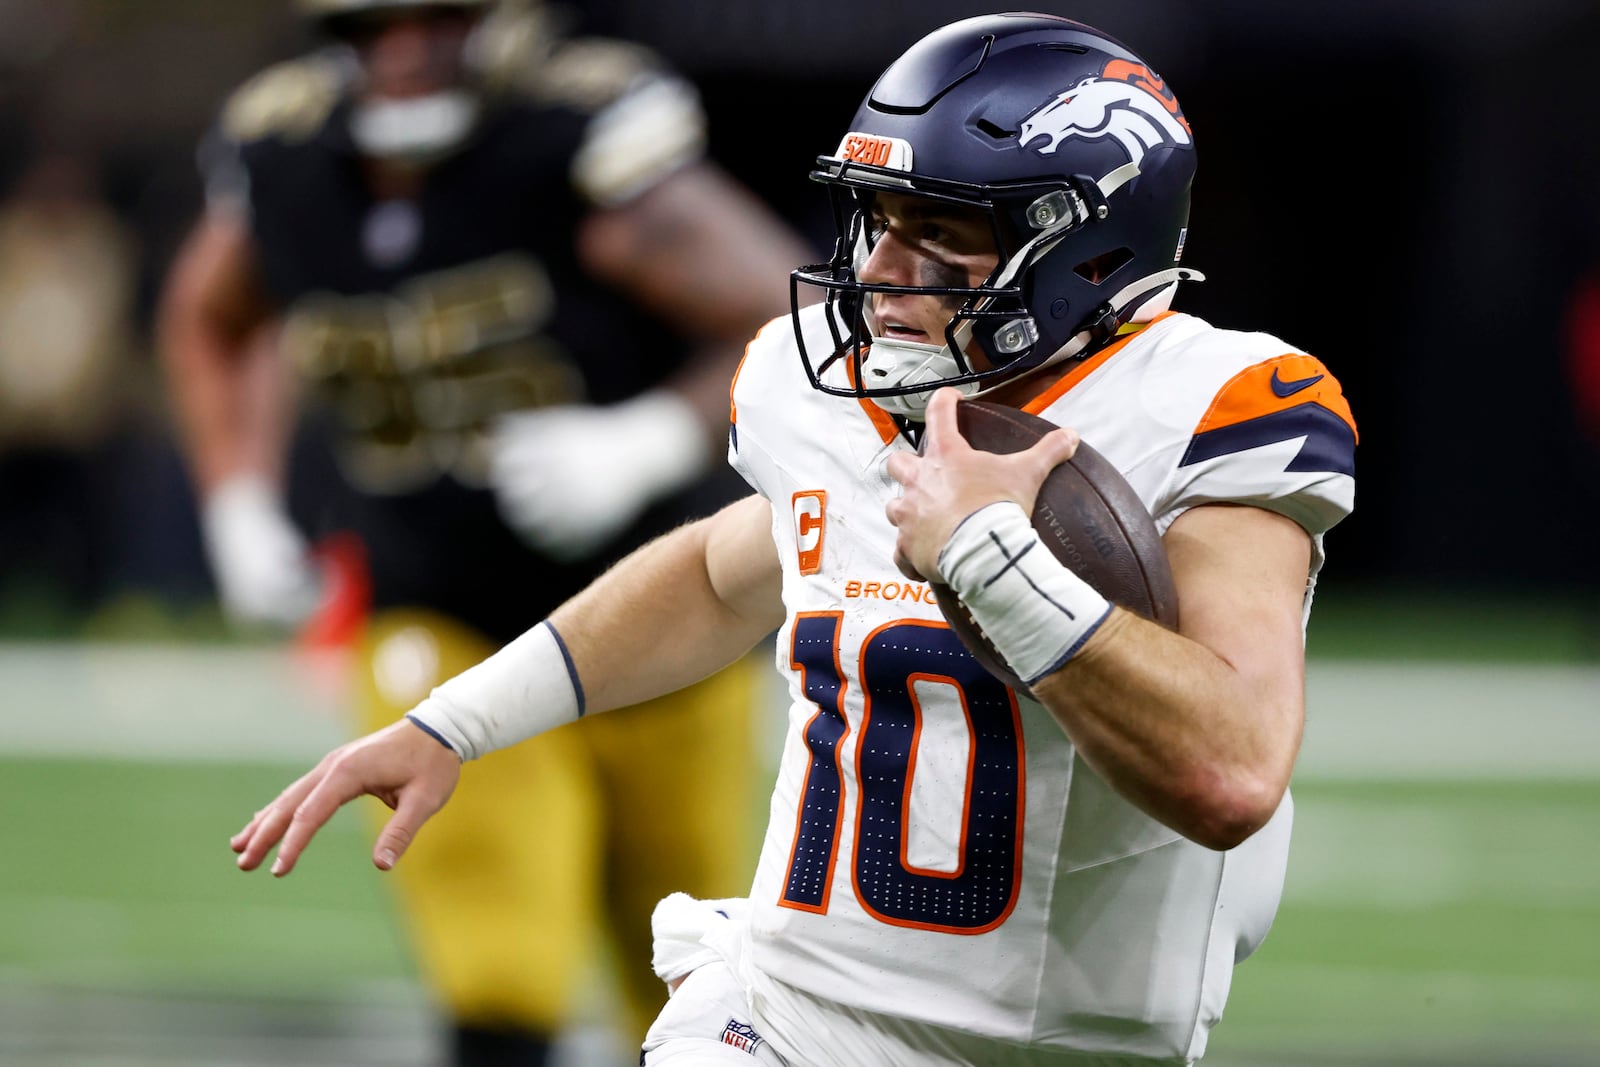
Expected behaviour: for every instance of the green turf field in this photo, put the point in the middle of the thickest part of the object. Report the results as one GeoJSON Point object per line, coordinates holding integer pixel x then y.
{"type": "Point", "coordinates": [1422, 923]}
{"type": "Point", "coordinates": [1442, 908]}
{"type": "Point", "coordinates": [119, 876]}
{"type": "Point", "coordinates": [1449, 922]}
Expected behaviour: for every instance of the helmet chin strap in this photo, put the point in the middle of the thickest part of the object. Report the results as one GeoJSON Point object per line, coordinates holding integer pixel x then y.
{"type": "Point", "coordinates": [415, 130]}
{"type": "Point", "coordinates": [1137, 302]}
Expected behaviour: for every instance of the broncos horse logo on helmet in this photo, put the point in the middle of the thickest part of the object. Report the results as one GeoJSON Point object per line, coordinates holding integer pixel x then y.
{"type": "Point", "coordinates": [1082, 160]}
{"type": "Point", "coordinates": [1112, 104]}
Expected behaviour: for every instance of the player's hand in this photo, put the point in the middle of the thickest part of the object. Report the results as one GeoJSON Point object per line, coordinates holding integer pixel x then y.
{"type": "Point", "coordinates": [568, 479]}
{"type": "Point", "coordinates": [950, 480]}
{"type": "Point", "coordinates": [400, 765]}
{"type": "Point", "coordinates": [262, 565]}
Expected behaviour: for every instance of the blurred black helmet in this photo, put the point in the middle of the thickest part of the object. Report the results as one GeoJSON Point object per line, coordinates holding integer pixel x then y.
{"type": "Point", "coordinates": [331, 14]}
{"type": "Point", "coordinates": [410, 127]}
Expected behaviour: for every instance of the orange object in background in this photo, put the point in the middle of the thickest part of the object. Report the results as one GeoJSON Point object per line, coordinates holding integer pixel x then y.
{"type": "Point", "coordinates": [347, 594]}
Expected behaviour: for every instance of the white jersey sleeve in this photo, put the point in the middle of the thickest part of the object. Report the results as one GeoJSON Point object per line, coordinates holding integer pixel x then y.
{"type": "Point", "coordinates": [1195, 415]}
{"type": "Point", "coordinates": [770, 346]}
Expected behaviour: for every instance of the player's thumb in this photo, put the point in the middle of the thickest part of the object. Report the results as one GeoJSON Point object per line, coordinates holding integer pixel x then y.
{"type": "Point", "coordinates": [940, 422]}
{"type": "Point", "coordinates": [412, 811]}
{"type": "Point", "coordinates": [1053, 449]}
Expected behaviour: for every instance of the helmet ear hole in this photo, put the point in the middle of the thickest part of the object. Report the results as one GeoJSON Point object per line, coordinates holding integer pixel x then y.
{"type": "Point", "coordinates": [1099, 268]}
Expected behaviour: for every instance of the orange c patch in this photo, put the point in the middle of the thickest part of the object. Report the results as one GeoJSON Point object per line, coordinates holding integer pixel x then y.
{"type": "Point", "coordinates": [810, 523]}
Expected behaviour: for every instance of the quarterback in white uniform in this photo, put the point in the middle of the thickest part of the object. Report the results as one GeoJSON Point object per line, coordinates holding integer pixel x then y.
{"type": "Point", "coordinates": [893, 861]}
{"type": "Point", "coordinates": [956, 871]}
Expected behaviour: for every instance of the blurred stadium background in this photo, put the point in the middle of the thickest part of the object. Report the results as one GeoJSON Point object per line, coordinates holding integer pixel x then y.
{"type": "Point", "coordinates": [1409, 189]}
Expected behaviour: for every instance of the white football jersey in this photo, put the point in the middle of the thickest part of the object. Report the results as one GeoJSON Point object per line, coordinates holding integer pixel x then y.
{"type": "Point", "coordinates": [937, 851]}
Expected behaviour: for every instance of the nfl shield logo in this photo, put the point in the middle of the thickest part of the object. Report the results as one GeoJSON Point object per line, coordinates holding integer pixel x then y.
{"type": "Point", "coordinates": [741, 1037]}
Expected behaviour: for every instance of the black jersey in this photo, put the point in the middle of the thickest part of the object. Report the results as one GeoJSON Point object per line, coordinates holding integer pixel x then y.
{"type": "Point", "coordinates": [415, 323]}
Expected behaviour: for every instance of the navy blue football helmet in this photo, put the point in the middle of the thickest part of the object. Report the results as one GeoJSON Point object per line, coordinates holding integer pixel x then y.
{"type": "Point", "coordinates": [1075, 149]}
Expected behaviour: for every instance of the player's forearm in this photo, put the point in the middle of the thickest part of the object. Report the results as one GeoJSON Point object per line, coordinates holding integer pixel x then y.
{"type": "Point", "coordinates": [667, 615]}
{"type": "Point", "coordinates": [229, 396]}
{"type": "Point", "coordinates": [1177, 730]}
{"type": "Point", "coordinates": [675, 611]}
{"type": "Point", "coordinates": [228, 405]}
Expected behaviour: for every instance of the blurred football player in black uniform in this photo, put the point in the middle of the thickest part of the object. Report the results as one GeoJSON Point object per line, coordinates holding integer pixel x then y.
{"type": "Point", "coordinates": [504, 270]}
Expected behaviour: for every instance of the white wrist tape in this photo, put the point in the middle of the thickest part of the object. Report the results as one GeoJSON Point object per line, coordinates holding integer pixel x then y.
{"type": "Point", "coordinates": [1035, 611]}
{"type": "Point", "coordinates": [526, 688]}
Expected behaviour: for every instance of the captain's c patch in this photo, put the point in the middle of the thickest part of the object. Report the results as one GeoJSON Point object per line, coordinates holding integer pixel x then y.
{"type": "Point", "coordinates": [810, 518]}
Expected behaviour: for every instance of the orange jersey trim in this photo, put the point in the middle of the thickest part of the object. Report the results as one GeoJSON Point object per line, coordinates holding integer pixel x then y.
{"type": "Point", "coordinates": [733, 383]}
{"type": "Point", "coordinates": [1086, 368]}
{"type": "Point", "coordinates": [882, 421]}
{"type": "Point", "coordinates": [888, 431]}
{"type": "Point", "coordinates": [1276, 385]}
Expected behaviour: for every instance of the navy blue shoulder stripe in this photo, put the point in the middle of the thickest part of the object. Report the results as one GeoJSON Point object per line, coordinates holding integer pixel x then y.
{"type": "Point", "coordinates": [1330, 443]}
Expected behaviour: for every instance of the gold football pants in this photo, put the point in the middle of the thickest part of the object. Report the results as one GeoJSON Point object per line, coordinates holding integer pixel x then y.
{"type": "Point", "coordinates": [553, 848]}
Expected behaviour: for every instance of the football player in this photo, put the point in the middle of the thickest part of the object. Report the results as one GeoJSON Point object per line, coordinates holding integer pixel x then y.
{"type": "Point", "coordinates": [510, 279]}
{"type": "Point", "coordinates": [956, 871]}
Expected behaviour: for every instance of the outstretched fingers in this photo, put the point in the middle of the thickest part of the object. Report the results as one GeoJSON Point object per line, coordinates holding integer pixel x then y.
{"type": "Point", "coordinates": [239, 840]}
{"type": "Point", "coordinates": [401, 765]}
{"type": "Point", "coordinates": [339, 784]}
{"type": "Point", "coordinates": [267, 827]}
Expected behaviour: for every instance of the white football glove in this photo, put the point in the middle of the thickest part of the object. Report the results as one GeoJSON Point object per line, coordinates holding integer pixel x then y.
{"type": "Point", "coordinates": [570, 478]}
{"type": "Point", "coordinates": [261, 563]}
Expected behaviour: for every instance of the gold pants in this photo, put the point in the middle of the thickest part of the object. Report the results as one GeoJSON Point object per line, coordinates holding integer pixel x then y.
{"type": "Point", "coordinates": [555, 847]}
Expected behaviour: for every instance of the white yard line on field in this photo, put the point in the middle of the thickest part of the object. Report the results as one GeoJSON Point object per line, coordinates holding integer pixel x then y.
{"type": "Point", "coordinates": [1451, 721]}
{"type": "Point", "coordinates": [1377, 720]}
{"type": "Point", "coordinates": [169, 702]}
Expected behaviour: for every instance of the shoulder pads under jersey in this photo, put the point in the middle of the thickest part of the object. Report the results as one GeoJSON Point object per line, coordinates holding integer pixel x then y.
{"type": "Point", "coordinates": [290, 100]}
{"type": "Point", "coordinates": [527, 57]}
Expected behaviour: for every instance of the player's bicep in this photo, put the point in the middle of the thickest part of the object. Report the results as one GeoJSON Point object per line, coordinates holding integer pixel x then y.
{"type": "Point", "coordinates": [1240, 574]}
{"type": "Point", "coordinates": [700, 250]}
{"type": "Point", "coordinates": [742, 564]}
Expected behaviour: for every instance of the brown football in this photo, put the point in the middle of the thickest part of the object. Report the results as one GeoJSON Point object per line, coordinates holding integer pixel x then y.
{"type": "Point", "coordinates": [1089, 517]}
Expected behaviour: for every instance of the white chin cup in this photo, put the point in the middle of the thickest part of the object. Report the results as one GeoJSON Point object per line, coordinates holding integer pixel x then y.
{"type": "Point", "coordinates": [415, 129]}
{"type": "Point", "coordinates": [893, 363]}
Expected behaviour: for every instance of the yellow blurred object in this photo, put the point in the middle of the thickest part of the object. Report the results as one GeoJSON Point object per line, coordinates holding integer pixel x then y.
{"type": "Point", "coordinates": [578, 830]}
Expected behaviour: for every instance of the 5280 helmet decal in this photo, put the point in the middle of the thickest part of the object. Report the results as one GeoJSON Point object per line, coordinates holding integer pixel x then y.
{"type": "Point", "coordinates": [1125, 102]}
